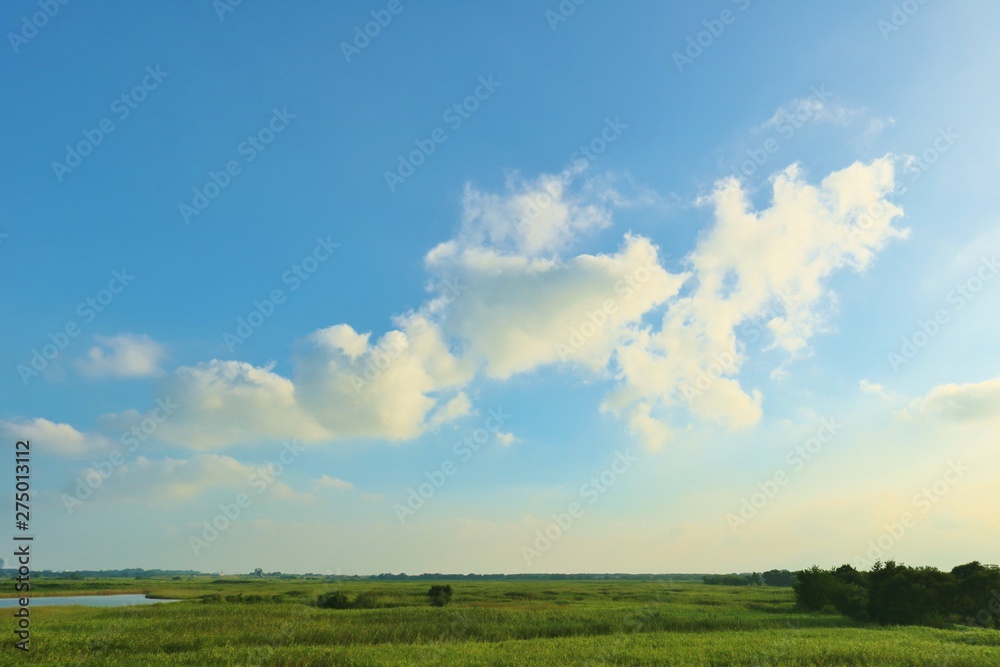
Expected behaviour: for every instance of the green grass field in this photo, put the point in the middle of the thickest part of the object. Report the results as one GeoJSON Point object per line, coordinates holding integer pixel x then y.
{"type": "Point", "coordinates": [274, 622]}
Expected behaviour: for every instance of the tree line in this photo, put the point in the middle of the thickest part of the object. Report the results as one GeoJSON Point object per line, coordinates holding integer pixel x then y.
{"type": "Point", "coordinates": [896, 594]}
{"type": "Point", "coordinates": [782, 578]}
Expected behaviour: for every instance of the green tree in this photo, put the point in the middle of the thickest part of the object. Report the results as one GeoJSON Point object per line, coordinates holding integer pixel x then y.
{"type": "Point", "coordinates": [440, 595]}
{"type": "Point", "coordinates": [333, 600]}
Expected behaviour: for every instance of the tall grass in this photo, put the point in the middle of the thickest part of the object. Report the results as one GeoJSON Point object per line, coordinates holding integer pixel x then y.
{"type": "Point", "coordinates": [488, 623]}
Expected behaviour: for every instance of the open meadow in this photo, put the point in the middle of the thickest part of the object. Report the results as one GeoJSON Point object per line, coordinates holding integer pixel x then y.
{"type": "Point", "coordinates": [277, 622]}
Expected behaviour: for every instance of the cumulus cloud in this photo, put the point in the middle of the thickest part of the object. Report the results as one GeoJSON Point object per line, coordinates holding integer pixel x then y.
{"type": "Point", "coordinates": [459, 406]}
{"type": "Point", "coordinates": [48, 436]}
{"type": "Point", "coordinates": [755, 274]}
{"type": "Point", "coordinates": [178, 480]}
{"type": "Point", "coordinates": [876, 389]}
{"type": "Point", "coordinates": [530, 219]}
{"type": "Point", "coordinates": [959, 402]}
{"type": "Point", "coordinates": [506, 439]}
{"type": "Point", "coordinates": [820, 107]}
{"type": "Point", "coordinates": [125, 355]}
{"type": "Point", "coordinates": [327, 482]}
{"type": "Point", "coordinates": [511, 294]}
{"type": "Point", "coordinates": [230, 402]}
{"type": "Point", "coordinates": [524, 313]}
{"type": "Point", "coordinates": [387, 389]}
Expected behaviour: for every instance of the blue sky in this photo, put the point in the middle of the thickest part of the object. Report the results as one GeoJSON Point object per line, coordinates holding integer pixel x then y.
{"type": "Point", "coordinates": [659, 243]}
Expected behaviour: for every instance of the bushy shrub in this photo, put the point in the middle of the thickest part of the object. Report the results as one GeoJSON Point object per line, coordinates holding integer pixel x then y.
{"type": "Point", "coordinates": [367, 600]}
{"type": "Point", "coordinates": [893, 594]}
{"type": "Point", "coordinates": [440, 595]}
{"type": "Point", "coordinates": [333, 600]}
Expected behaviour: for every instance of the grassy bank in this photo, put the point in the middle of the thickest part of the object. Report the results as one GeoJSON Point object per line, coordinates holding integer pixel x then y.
{"type": "Point", "coordinates": [248, 622]}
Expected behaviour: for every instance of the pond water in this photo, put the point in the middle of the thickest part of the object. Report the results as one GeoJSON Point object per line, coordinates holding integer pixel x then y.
{"type": "Point", "coordinates": [86, 600]}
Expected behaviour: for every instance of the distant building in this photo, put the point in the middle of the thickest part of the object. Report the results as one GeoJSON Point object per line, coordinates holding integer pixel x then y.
{"type": "Point", "coordinates": [259, 573]}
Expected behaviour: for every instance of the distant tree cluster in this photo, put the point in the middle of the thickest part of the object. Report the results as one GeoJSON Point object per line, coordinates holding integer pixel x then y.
{"type": "Point", "coordinates": [341, 600]}
{"type": "Point", "coordinates": [726, 579]}
{"type": "Point", "coordinates": [440, 595]}
{"type": "Point", "coordinates": [769, 578]}
{"type": "Point", "coordinates": [893, 594]}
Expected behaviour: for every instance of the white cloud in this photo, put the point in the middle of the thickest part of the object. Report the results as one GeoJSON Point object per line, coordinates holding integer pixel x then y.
{"type": "Point", "coordinates": [460, 406]}
{"type": "Point", "coordinates": [48, 436]}
{"type": "Point", "coordinates": [522, 313]}
{"type": "Point", "coordinates": [817, 108]}
{"type": "Point", "coordinates": [327, 482]}
{"type": "Point", "coordinates": [959, 402]}
{"type": "Point", "coordinates": [387, 390]}
{"type": "Point", "coordinates": [229, 402]}
{"type": "Point", "coordinates": [507, 298]}
{"type": "Point", "coordinates": [533, 219]}
{"type": "Point", "coordinates": [767, 268]}
{"type": "Point", "coordinates": [876, 389]}
{"type": "Point", "coordinates": [506, 439]}
{"type": "Point", "coordinates": [179, 480]}
{"type": "Point", "coordinates": [125, 355]}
